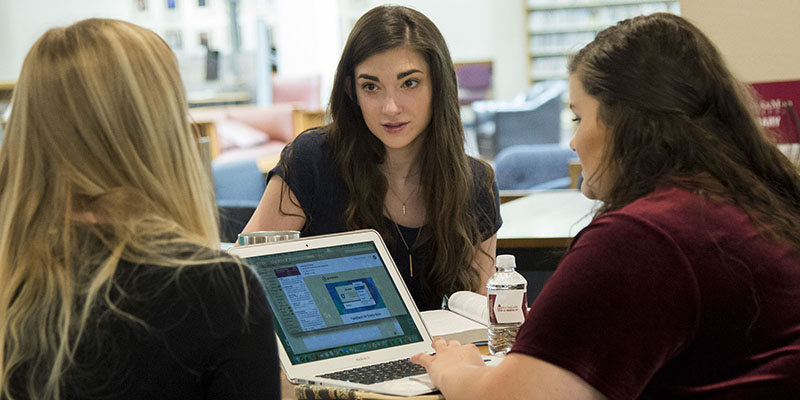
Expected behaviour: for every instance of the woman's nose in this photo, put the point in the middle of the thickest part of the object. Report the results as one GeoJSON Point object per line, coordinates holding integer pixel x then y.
{"type": "Point", "coordinates": [390, 105]}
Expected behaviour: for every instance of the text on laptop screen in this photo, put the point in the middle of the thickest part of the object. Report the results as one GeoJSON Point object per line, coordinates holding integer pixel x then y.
{"type": "Point", "coordinates": [334, 301]}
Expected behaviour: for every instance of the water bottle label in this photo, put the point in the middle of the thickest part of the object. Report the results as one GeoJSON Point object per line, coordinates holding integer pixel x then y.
{"type": "Point", "coordinates": [507, 306]}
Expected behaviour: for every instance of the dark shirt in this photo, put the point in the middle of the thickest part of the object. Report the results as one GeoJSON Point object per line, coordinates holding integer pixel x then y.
{"type": "Point", "coordinates": [323, 196]}
{"type": "Point", "coordinates": [673, 296]}
{"type": "Point", "coordinates": [194, 344]}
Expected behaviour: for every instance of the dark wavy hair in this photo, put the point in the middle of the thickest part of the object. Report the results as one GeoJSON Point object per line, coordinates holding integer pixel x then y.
{"type": "Point", "coordinates": [452, 234]}
{"type": "Point", "coordinates": [676, 116]}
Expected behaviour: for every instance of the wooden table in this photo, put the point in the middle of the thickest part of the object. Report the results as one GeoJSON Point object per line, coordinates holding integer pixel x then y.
{"type": "Point", "coordinates": [575, 169]}
{"type": "Point", "coordinates": [548, 218]}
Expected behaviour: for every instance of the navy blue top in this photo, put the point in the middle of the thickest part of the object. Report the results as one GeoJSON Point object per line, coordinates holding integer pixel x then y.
{"type": "Point", "coordinates": [322, 194]}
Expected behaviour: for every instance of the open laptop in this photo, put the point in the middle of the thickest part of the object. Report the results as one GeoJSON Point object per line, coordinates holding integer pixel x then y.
{"type": "Point", "coordinates": [340, 309]}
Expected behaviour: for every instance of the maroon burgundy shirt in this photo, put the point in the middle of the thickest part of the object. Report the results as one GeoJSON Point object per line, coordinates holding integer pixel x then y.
{"type": "Point", "coordinates": [673, 296]}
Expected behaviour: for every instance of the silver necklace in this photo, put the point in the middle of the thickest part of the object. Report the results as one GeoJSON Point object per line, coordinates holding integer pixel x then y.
{"type": "Point", "coordinates": [401, 200]}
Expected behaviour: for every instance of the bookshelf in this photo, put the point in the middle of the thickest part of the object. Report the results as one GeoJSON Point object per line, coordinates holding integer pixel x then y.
{"type": "Point", "coordinates": [558, 28]}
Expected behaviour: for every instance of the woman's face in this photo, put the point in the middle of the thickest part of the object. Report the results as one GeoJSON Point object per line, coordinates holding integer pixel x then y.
{"type": "Point", "coordinates": [589, 140]}
{"type": "Point", "coordinates": [394, 91]}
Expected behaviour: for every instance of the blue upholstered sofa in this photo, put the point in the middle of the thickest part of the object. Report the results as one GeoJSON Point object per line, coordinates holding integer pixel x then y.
{"type": "Point", "coordinates": [533, 117]}
{"type": "Point", "coordinates": [533, 166]}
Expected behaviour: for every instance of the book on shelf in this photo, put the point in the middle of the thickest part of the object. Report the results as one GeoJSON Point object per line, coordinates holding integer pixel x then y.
{"type": "Point", "coordinates": [320, 392]}
{"type": "Point", "coordinates": [466, 318]}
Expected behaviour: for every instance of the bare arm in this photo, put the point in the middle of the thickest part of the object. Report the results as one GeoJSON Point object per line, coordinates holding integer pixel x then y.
{"type": "Point", "coordinates": [268, 217]}
{"type": "Point", "coordinates": [484, 262]}
{"type": "Point", "coordinates": [458, 371]}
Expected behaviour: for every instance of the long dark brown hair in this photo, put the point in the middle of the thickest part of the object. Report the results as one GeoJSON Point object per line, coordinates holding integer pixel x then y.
{"type": "Point", "coordinates": [451, 234]}
{"type": "Point", "coordinates": [676, 116]}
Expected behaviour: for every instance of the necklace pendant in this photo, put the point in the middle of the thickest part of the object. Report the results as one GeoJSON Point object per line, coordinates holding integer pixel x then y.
{"type": "Point", "coordinates": [404, 208]}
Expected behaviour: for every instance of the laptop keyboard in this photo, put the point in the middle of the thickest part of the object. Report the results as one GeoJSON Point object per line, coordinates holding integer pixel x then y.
{"type": "Point", "coordinates": [378, 372]}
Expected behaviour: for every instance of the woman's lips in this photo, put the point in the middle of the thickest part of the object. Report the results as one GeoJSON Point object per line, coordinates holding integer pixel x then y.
{"type": "Point", "coordinates": [394, 127]}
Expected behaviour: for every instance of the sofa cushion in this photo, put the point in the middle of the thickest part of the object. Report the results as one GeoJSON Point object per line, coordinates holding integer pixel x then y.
{"type": "Point", "coordinates": [234, 134]}
{"type": "Point", "coordinates": [277, 120]}
{"type": "Point", "coordinates": [271, 149]}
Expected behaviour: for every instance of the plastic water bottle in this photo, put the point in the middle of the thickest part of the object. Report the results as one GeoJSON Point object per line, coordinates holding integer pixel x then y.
{"type": "Point", "coordinates": [508, 304]}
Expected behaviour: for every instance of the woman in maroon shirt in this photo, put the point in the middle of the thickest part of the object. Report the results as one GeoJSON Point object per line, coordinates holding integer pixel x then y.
{"type": "Point", "coordinates": [687, 282]}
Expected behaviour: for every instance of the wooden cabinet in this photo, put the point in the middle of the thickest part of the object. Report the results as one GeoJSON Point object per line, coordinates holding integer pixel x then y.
{"type": "Point", "coordinates": [558, 28]}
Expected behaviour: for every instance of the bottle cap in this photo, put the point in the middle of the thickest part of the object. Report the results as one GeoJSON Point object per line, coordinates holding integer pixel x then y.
{"type": "Point", "coordinates": [506, 261]}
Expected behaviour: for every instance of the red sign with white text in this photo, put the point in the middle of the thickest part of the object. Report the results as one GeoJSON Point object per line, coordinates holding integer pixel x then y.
{"type": "Point", "coordinates": [778, 103]}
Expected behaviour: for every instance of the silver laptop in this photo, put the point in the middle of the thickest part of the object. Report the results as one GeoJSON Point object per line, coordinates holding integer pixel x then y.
{"type": "Point", "coordinates": [342, 312]}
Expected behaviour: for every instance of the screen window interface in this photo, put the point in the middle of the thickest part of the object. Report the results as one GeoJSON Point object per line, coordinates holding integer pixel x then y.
{"type": "Point", "coordinates": [333, 302]}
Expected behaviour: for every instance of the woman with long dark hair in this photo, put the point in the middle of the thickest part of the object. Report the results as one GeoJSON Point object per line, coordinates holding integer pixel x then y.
{"type": "Point", "coordinates": [686, 284]}
{"type": "Point", "coordinates": [392, 159]}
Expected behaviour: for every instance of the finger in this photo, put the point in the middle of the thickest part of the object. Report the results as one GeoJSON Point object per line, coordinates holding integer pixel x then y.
{"type": "Point", "coordinates": [438, 343]}
{"type": "Point", "coordinates": [454, 343]}
{"type": "Point", "coordinates": [422, 359]}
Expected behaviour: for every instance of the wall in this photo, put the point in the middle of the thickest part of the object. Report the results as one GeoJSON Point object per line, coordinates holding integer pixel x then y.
{"type": "Point", "coordinates": [757, 38]}
{"type": "Point", "coordinates": [6, 46]}
{"type": "Point", "coordinates": [478, 30]}
{"type": "Point", "coordinates": [309, 34]}
{"type": "Point", "coordinates": [24, 21]}
{"type": "Point", "coordinates": [308, 40]}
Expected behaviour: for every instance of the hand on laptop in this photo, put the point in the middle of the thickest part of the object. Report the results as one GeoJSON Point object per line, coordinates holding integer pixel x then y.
{"type": "Point", "coordinates": [449, 355]}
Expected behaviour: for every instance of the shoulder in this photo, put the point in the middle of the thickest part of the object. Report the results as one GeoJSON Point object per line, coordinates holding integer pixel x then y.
{"type": "Point", "coordinates": [651, 219]}
{"type": "Point", "coordinates": [224, 290]}
{"type": "Point", "coordinates": [481, 170]}
{"type": "Point", "coordinates": [312, 142]}
{"type": "Point", "coordinates": [310, 152]}
{"type": "Point", "coordinates": [482, 179]}
{"type": "Point", "coordinates": [624, 278]}
{"type": "Point", "coordinates": [639, 243]}
{"type": "Point", "coordinates": [485, 197]}
{"type": "Point", "coordinates": [685, 217]}
{"type": "Point", "coordinates": [308, 162]}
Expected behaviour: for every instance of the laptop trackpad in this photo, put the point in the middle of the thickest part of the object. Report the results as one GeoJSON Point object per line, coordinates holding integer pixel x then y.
{"type": "Point", "coordinates": [417, 384]}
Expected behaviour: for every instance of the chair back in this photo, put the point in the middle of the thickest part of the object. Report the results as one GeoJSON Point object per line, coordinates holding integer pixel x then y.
{"type": "Point", "coordinates": [474, 81]}
{"type": "Point", "coordinates": [239, 185]}
{"type": "Point", "coordinates": [533, 166]}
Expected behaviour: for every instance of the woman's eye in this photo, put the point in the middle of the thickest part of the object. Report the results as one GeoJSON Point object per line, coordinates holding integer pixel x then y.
{"type": "Point", "coordinates": [410, 83]}
{"type": "Point", "coordinates": [369, 87]}
{"type": "Point", "coordinates": [576, 120]}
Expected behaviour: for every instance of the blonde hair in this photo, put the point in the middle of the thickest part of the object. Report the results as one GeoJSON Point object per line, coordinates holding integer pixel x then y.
{"type": "Point", "coordinates": [97, 141]}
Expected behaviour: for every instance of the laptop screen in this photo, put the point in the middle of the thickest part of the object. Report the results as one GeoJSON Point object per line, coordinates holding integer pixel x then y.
{"type": "Point", "coordinates": [334, 301]}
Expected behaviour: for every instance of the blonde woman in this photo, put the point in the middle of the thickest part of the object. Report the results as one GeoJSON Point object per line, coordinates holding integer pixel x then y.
{"type": "Point", "coordinates": [111, 286]}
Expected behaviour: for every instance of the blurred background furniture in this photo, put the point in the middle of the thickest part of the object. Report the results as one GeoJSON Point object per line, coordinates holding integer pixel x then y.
{"type": "Point", "coordinates": [533, 167]}
{"type": "Point", "coordinates": [474, 81]}
{"type": "Point", "coordinates": [245, 141]}
{"type": "Point", "coordinates": [302, 92]}
{"type": "Point", "coordinates": [533, 117]}
{"type": "Point", "coordinates": [253, 132]}
{"type": "Point", "coordinates": [239, 185]}
{"type": "Point", "coordinates": [539, 227]}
